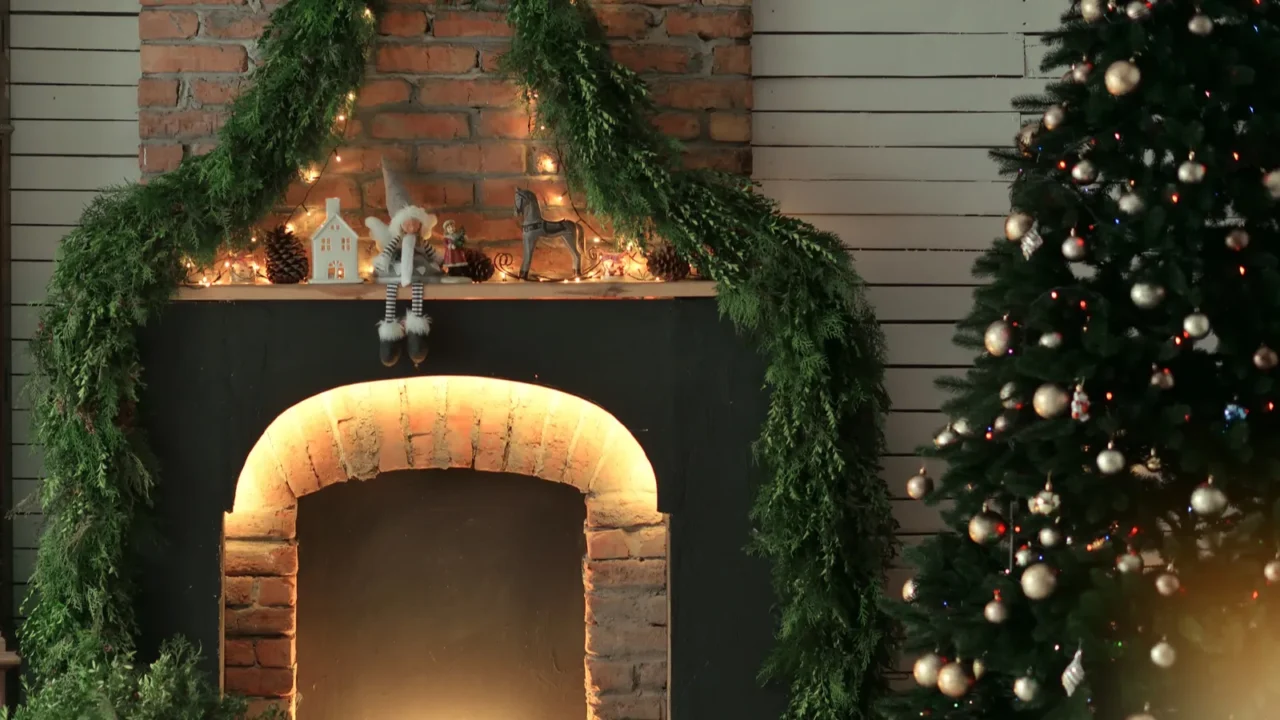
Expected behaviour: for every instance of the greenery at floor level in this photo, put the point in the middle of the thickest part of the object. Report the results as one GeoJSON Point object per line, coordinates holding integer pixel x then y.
{"type": "Point", "coordinates": [822, 517]}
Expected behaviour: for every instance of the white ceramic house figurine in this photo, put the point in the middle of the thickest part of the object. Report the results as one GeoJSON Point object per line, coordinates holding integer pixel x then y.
{"type": "Point", "coordinates": [335, 248]}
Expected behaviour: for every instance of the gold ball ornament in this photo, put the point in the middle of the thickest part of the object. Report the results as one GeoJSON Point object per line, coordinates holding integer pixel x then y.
{"type": "Point", "coordinates": [1191, 172]}
{"type": "Point", "coordinates": [1017, 225]}
{"type": "Point", "coordinates": [1168, 584]}
{"type": "Point", "coordinates": [1146, 295]}
{"type": "Point", "coordinates": [910, 590]}
{"type": "Point", "coordinates": [1080, 73]}
{"type": "Point", "coordinates": [1039, 581]}
{"type": "Point", "coordinates": [1265, 358]}
{"type": "Point", "coordinates": [954, 680]}
{"type": "Point", "coordinates": [1026, 689]}
{"type": "Point", "coordinates": [997, 338]}
{"type": "Point", "coordinates": [987, 527]}
{"type": "Point", "coordinates": [1093, 10]}
{"type": "Point", "coordinates": [1272, 182]}
{"type": "Point", "coordinates": [925, 670]}
{"type": "Point", "coordinates": [1122, 77]}
{"type": "Point", "coordinates": [945, 438]}
{"type": "Point", "coordinates": [1197, 325]}
{"type": "Point", "coordinates": [1272, 571]}
{"type": "Point", "coordinates": [1084, 172]}
{"type": "Point", "coordinates": [1141, 716]}
{"type": "Point", "coordinates": [996, 612]}
{"type": "Point", "coordinates": [1237, 239]}
{"type": "Point", "coordinates": [1053, 117]}
{"type": "Point", "coordinates": [1208, 500]}
{"type": "Point", "coordinates": [1137, 10]}
{"type": "Point", "coordinates": [1051, 340]}
{"type": "Point", "coordinates": [1050, 401]}
{"type": "Point", "coordinates": [1027, 136]}
{"type": "Point", "coordinates": [963, 427]}
{"type": "Point", "coordinates": [1129, 562]}
{"type": "Point", "coordinates": [919, 485]}
{"type": "Point", "coordinates": [1003, 422]}
{"type": "Point", "coordinates": [1162, 379]}
{"type": "Point", "coordinates": [1110, 461]}
{"type": "Point", "coordinates": [1073, 249]}
{"type": "Point", "coordinates": [1164, 655]}
{"type": "Point", "coordinates": [979, 669]}
{"type": "Point", "coordinates": [1200, 24]}
{"type": "Point", "coordinates": [1050, 537]}
{"type": "Point", "coordinates": [1009, 396]}
{"type": "Point", "coordinates": [1131, 203]}
{"type": "Point", "coordinates": [1045, 502]}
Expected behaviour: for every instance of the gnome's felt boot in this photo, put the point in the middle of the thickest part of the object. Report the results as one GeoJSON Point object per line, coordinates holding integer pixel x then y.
{"type": "Point", "coordinates": [390, 338]}
{"type": "Point", "coordinates": [417, 328]}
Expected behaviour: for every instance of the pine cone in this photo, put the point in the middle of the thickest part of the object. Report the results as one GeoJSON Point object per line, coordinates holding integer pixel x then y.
{"type": "Point", "coordinates": [665, 263]}
{"type": "Point", "coordinates": [286, 257]}
{"type": "Point", "coordinates": [479, 265]}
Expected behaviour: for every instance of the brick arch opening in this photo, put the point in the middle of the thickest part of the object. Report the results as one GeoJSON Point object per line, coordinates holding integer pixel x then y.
{"type": "Point", "coordinates": [356, 432]}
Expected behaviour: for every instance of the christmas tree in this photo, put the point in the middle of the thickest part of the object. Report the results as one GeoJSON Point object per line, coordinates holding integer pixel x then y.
{"type": "Point", "coordinates": [1112, 456]}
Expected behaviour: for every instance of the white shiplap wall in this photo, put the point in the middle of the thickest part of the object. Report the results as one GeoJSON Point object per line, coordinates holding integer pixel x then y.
{"type": "Point", "coordinates": [873, 120]}
{"type": "Point", "coordinates": [75, 115]}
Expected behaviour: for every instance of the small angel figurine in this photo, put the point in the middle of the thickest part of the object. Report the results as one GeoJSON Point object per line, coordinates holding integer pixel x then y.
{"type": "Point", "coordinates": [404, 258]}
{"type": "Point", "coordinates": [455, 258]}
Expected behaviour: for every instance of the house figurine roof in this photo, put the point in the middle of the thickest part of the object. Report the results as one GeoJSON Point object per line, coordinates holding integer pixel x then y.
{"type": "Point", "coordinates": [335, 248]}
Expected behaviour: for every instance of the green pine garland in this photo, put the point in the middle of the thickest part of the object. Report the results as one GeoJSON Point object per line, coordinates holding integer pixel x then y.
{"type": "Point", "coordinates": [823, 518]}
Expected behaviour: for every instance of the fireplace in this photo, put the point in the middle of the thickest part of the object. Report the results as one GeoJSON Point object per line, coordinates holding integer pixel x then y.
{"type": "Point", "coordinates": [359, 432]}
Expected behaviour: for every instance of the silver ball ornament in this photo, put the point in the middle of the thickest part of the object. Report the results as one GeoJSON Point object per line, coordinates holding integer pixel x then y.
{"type": "Point", "coordinates": [1039, 581]}
{"type": "Point", "coordinates": [1009, 396]}
{"type": "Point", "coordinates": [1093, 10]}
{"type": "Point", "coordinates": [1162, 379]}
{"type": "Point", "coordinates": [1027, 136]}
{"type": "Point", "coordinates": [1137, 10]}
{"type": "Point", "coordinates": [1017, 225]}
{"type": "Point", "coordinates": [997, 338]}
{"type": "Point", "coordinates": [1197, 325]}
{"type": "Point", "coordinates": [1027, 689]}
{"type": "Point", "coordinates": [1200, 24]}
{"type": "Point", "coordinates": [1084, 172]}
{"type": "Point", "coordinates": [1208, 500]}
{"type": "Point", "coordinates": [1129, 562]}
{"type": "Point", "coordinates": [1080, 73]}
{"type": "Point", "coordinates": [1191, 172]}
{"type": "Point", "coordinates": [919, 486]}
{"type": "Point", "coordinates": [1053, 117]}
{"type": "Point", "coordinates": [910, 590]}
{"type": "Point", "coordinates": [1024, 557]}
{"type": "Point", "coordinates": [1168, 584]}
{"type": "Point", "coordinates": [1272, 571]}
{"type": "Point", "coordinates": [963, 427]}
{"type": "Point", "coordinates": [1050, 537]}
{"type": "Point", "coordinates": [1003, 422]}
{"type": "Point", "coordinates": [996, 612]}
{"type": "Point", "coordinates": [925, 670]}
{"type": "Point", "coordinates": [979, 669]}
{"type": "Point", "coordinates": [1051, 340]}
{"type": "Point", "coordinates": [1237, 239]}
{"type": "Point", "coordinates": [1073, 249]}
{"type": "Point", "coordinates": [1122, 77]}
{"type": "Point", "coordinates": [987, 527]}
{"type": "Point", "coordinates": [954, 680]}
{"type": "Point", "coordinates": [1131, 203]}
{"type": "Point", "coordinates": [945, 438]}
{"type": "Point", "coordinates": [1272, 182]}
{"type": "Point", "coordinates": [1050, 401]}
{"type": "Point", "coordinates": [1265, 358]}
{"type": "Point", "coordinates": [1146, 295]}
{"type": "Point", "coordinates": [1164, 655]}
{"type": "Point", "coordinates": [1110, 461]}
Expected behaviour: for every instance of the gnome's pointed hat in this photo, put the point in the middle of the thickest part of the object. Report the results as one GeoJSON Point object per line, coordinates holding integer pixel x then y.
{"type": "Point", "coordinates": [400, 207]}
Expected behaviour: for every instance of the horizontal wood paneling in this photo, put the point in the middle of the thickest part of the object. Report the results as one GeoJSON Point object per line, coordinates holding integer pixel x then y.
{"type": "Point", "coordinates": [28, 461]}
{"type": "Point", "coordinates": [973, 130]}
{"type": "Point", "coordinates": [907, 16]}
{"type": "Point", "coordinates": [29, 281]}
{"type": "Point", "coordinates": [20, 357]}
{"type": "Point", "coordinates": [891, 94]}
{"type": "Point", "coordinates": [924, 345]}
{"type": "Point", "coordinates": [914, 388]}
{"type": "Point", "coordinates": [118, 138]}
{"type": "Point", "coordinates": [916, 267]}
{"type": "Point", "coordinates": [74, 102]}
{"type": "Point", "coordinates": [844, 163]}
{"type": "Point", "coordinates": [32, 242]}
{"type": "Point", "coordinates": [49, 207]}
{"type": "Point", "coordinates": [76, 6]}
{"type": "Point", "coordinates": [23, 321]}
{"type": "Point", "coordinates": [920, 304]}
{"type": "Point", "coordinates": [912, 231]}
{"type": "Point", "coordinates": [838, 197]}
{"type": "Point", "coordinates": [75, 33]}
{"type": "Point", "coordinates": [887, 55]}
{"type": "Point", "coordinates": [75, 67]}
{"type": "Point", "coordinates": [906, 432]}
{"type": "Point", "coordinates": [34, 172]}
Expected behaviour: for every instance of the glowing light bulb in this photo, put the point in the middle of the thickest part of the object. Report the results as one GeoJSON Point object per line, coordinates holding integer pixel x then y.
{"type": "Point", "coordinates": [547, 164]}
{"type": "Point", "coordinates": [290, 227]}
{"type": "Point", "coordinates": [351, 96]}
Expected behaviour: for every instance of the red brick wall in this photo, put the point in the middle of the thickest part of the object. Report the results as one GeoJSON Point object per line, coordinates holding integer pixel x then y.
{"type": "Point", "coordinates": [434, 103]}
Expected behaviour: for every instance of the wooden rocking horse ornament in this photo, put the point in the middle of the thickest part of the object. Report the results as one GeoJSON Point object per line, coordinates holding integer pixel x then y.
{"type": "Point", "coordinates": [534, 227]}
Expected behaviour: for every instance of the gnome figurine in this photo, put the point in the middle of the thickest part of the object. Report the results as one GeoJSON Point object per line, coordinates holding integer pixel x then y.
{"type": "Point", "coordinates": [405, 257]}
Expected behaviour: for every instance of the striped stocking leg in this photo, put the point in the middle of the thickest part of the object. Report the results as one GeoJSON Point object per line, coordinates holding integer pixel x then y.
{"type": "Point", "coordinates": [418, 326]}
{"type": "Point", "coordinates": [390, 331]}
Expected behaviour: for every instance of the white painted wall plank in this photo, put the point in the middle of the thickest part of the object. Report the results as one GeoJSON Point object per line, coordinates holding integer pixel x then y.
{"type": "Point", "coordinates": [75, 67]}
{"type": "Point", "coordinates": [914, 389]}
{"type": "Point", "coordinates": [924, 344]}
{"type": "Point", "coordinates": [75, 33]}
{"type": "Point", "coordinates": [20, 357]}
{"type": "Point", "coordinates": [911, 231]}
{"type": "Point", "coordinates": [33, 172]}
{"type": "Point", "coordinates": [907, 16]}
{"type": "Point", "coordinates": [45, 207]}
{"type": "Point", "coordinates": [797, 163]}
{"type": "Point", "coordinates": [887, 55]}
{"type": "Point", "coordinates": [974, 130]}
{"type": "Point", "coordinates": [72, 6]}
{"type": "Point", "coordinates": [920, 304]}
{"type": "Point", "coordinates": [32, 242]}
{"type": "Point", "coordinates": [74, 102]}
{"type": "Point", "coordinates": [29, 282]}
{"type": "Point", "coordinates": [907, 432]}
{"type": "Point", "coordinates": [27, 461]}
{"type": "Point", "coordinates": [865, 197]}
{"type": "Point", "coordinates": [23, 321]}
{"type": "Point", "coordinates": [915, 267]}
{"type": "Point", "coordinates": [891, 94]}
{"type": "Point", "coordinates": [117, 138]}
{"type": "Point", "coordinates": [21, 427]}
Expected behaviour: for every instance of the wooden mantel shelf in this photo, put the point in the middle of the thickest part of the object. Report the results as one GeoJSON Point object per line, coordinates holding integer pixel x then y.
{"type": "Point", "coordinates": [587, 290]}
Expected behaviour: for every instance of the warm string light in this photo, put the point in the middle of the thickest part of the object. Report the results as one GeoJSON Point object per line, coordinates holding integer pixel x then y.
{"type": "Point", "coordinates": [547, 164]}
